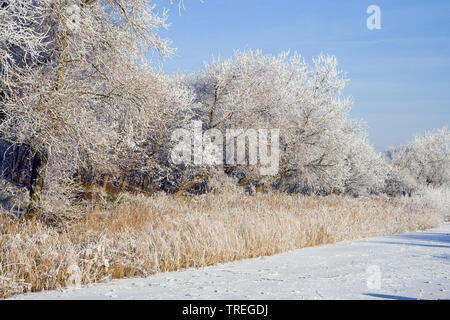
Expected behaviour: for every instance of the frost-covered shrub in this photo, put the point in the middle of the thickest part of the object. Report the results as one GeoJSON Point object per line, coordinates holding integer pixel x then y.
{"type": "Point", "coordinates": [13, 198]}
{"type": "Point", "coordinates": [220, 182]}
{"type": "Point", "coordinates": [425, 161]}
{"type": "Point", "coordinates": [437, 198]}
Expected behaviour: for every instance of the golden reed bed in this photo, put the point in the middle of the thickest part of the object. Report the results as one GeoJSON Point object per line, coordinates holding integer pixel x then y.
{"type": "Point", "coordinates": [147, 235]}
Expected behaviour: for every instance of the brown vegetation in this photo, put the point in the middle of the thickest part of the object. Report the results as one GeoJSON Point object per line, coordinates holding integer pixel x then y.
{"type": "Point", "coordinates": [142, 235]}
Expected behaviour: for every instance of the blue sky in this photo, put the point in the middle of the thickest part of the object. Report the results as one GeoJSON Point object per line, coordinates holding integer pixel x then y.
{"type": "Point", "coordinates": [399, 75]}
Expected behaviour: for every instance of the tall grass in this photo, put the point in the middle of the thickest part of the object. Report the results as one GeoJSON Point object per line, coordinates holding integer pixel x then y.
{"type": "Point", "coordinates": [147, 235]}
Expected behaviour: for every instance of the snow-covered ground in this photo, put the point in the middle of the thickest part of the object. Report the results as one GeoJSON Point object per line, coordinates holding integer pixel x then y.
{"type": "Point", "coordinates": [409, 266]}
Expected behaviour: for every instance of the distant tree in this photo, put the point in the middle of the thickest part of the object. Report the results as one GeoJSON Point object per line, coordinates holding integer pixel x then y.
{"type": "Point", "coordinates": [425, 161]}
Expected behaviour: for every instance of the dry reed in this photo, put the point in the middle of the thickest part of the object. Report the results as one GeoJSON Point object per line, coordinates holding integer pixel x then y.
{"type": "Point", "coordinates": [147, 235]}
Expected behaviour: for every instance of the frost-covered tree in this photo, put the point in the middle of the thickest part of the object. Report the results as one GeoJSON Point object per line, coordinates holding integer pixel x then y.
{"type": "Point", "coordinates": [256, 91]}
{"type": "Point", "coordinates": [367, 169]}
{"type": "Point", "coordinates": [77, 88]}
{"type": "Point", "coordinates": [425, 161]}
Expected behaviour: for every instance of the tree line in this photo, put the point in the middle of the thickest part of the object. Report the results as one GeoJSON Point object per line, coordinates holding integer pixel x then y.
{"type": "Point", "coordinates": [82, 105]}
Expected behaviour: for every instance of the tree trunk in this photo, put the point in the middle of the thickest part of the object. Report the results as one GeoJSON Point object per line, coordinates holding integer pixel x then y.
{"type": "Point", "coordinates": [124, 183]}
{"type": "Point", "coordinates": [189, 184]}
{"type": "Point", "coordinates": [36, 183]}
{"type": "Point", "coordinates": [263, 185]}
{"type": "Point", "coordinates": [105, 181]}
